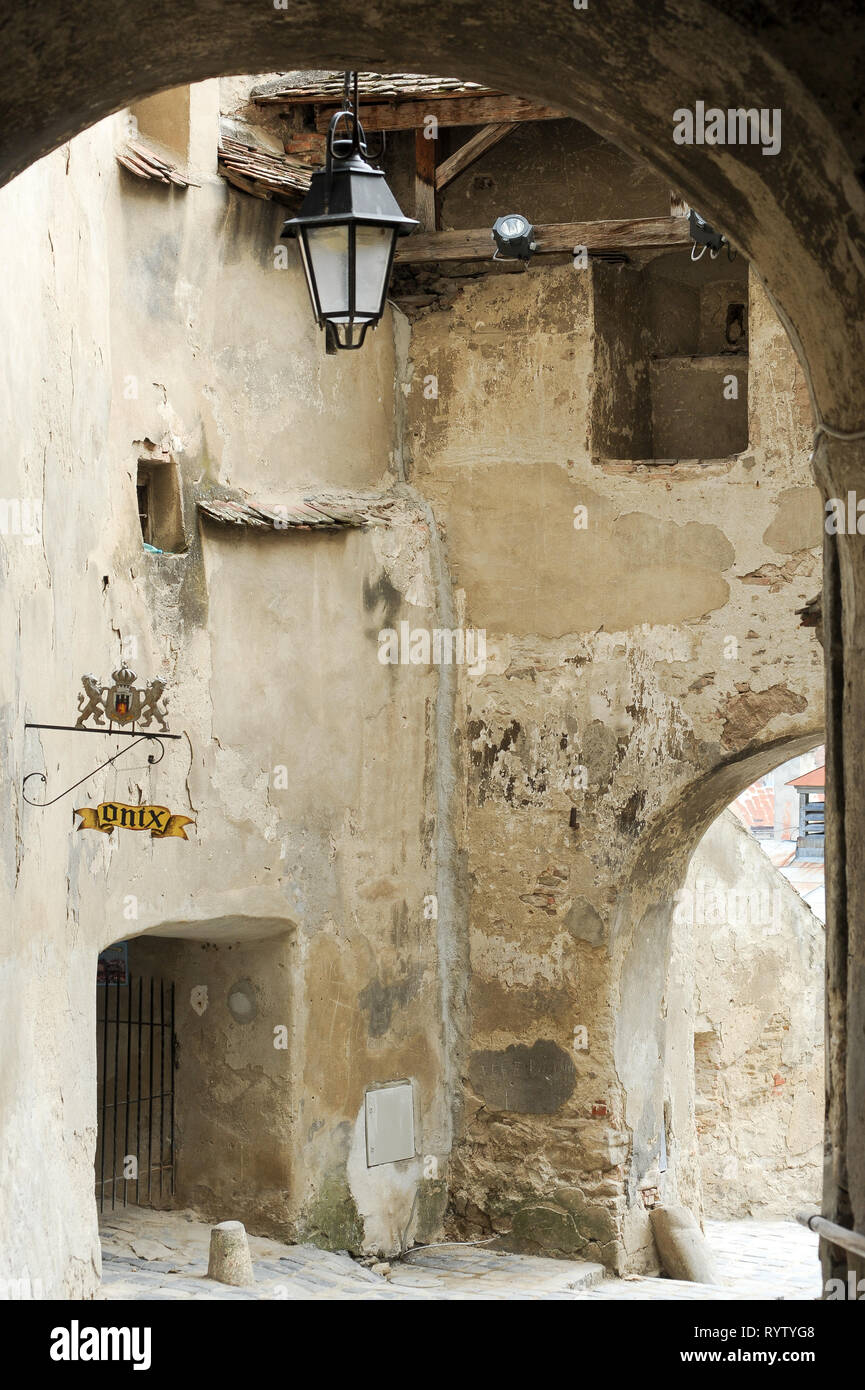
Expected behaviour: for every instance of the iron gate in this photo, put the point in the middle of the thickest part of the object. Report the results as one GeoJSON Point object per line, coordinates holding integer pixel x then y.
{"type": "Point", "coordinates": [135, 1061]}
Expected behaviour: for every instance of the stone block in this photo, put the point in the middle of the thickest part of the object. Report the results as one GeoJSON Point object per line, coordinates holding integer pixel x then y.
{"type": "Point", "coordinates": [230, 1261]}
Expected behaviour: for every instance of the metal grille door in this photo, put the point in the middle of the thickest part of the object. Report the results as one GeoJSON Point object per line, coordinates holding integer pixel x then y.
{"type": "Point", "coordinates": [135, 1063]}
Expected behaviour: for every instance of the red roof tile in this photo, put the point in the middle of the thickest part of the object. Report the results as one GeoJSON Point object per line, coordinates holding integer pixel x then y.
{"type": "Point", "coordinates": [816, 778]}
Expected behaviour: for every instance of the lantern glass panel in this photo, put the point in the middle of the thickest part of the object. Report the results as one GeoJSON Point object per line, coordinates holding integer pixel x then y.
{"type": "Point", "coordinates": [372, 251]}
{"type": "Point", "coordinates": [328, 254]}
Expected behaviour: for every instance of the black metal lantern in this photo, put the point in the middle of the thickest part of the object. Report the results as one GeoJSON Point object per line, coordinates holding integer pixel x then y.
{"type": "Point", "coordinates": [347, 229]}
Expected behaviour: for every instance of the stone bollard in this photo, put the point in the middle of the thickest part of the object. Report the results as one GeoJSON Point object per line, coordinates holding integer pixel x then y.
{"type": "Point", "coordinates": [682, 1246]}
{"type": "Point", "coordinates": [230, 1262]}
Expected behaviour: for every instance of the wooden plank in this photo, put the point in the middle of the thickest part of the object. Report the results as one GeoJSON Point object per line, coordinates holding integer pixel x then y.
{"type": "Point", "coordinates": [408, 115]}
{"type": "Point", "coordinates": [473, 148]}
{"type": "Point", "coordinates": [642, 234]}
{"type": "Point", "coordinates": [425, 181]}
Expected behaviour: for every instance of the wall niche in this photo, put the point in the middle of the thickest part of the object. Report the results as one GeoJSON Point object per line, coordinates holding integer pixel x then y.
{"type": "Point", "coordinates": [670, 359]}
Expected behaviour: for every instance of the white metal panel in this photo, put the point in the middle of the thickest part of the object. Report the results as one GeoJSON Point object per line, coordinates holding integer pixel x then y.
{"type": "Point", "coordinates": [389, 1123]}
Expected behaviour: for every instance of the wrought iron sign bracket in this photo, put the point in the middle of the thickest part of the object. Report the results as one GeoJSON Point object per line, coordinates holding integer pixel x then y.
{"type": "Point", "coordinates": [108, 733]}
{"type": "Point", "coordinates": [121, 703]}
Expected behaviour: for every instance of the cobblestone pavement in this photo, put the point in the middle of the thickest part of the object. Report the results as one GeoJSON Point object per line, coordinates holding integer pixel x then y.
{"type": "Point", "coordinates": [152, 1255]}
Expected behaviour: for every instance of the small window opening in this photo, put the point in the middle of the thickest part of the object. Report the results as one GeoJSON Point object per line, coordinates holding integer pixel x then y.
{"type": "Point", "coordinates": [160, 506]}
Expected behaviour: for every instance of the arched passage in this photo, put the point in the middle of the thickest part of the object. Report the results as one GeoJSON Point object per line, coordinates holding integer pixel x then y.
{"type": "Point", "coordinates": [780, 213]}
{"type": "Point", "coordinates": [749, 962]}
{"type": "Point", "coordinates": [644, 940]}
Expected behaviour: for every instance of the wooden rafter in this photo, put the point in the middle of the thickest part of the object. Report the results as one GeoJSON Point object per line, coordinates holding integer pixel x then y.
{"type": "Point", "coordinates": [642, 234]}
{"type": "Point", "coordinates": [448, 111]}
{"type": "Point", "coordinates": [425, 181]}
{"type": "Point", "coordinates": [473, 148]}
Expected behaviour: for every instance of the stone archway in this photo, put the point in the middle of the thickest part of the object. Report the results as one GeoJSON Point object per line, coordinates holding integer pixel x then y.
{"type": "Point", "coordinates": [644, 932]}
{"type": "Point", "coordinates": [65, 71]}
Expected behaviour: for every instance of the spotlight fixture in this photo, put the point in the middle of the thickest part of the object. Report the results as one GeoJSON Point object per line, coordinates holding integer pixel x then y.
{"type": "Point", "coordinates": [347, 229]}
{"type": "Point", "coordinates": [705, 237]}
{"type": "Point", "coordinates": [514, 237]}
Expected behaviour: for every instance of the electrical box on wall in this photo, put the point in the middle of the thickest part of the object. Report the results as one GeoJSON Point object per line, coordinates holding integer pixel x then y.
{"type": "Point", "coordinates": [389, 1123]}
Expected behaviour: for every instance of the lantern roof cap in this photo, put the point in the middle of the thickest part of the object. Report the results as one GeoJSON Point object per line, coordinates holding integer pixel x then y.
{"type": "Point", "coordinates": [349, 190]}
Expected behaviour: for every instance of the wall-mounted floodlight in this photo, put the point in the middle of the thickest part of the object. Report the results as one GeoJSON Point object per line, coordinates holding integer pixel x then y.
{"type": "Point", "coordinates": [705, 237]}
{"type": "Point", "coordinates": [514, 237]}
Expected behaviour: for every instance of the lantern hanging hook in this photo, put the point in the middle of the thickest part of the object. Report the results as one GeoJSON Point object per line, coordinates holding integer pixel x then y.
{"type": "Point", "coordinates": [349, 110]}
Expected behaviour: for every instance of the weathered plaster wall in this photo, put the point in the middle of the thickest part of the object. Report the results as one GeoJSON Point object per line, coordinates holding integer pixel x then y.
{"type": "Point", "coordinates": [642, 653]}
{"type": "Point", "coordinates": [55, 399]}
{"type": "Point", "coordinates": [141, 314]}
{"type": "Point", "coordinates": [137, 314]}
{"type": "Point", "coordinates": [748, 960]}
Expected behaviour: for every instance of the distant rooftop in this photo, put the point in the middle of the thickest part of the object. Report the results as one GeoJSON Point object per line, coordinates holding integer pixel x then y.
{"type": "Point", "coordinates": [755, 807]}
{"type": "Point", "coordinates": [815, 780]}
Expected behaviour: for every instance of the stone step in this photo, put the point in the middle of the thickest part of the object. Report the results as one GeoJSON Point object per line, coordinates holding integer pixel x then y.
{"type": "Point", "coordinates": [428, 1266]}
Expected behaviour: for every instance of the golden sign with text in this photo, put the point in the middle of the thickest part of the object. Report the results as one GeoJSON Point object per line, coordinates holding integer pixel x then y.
{"type": "Point", "coordinates": [114, 815]}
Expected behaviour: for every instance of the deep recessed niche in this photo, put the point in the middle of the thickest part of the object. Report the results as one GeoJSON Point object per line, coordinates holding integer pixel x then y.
{"type": "Point", "coordinates": [160, 505]}
{"type": "Point", "coordinates": [671, 359]}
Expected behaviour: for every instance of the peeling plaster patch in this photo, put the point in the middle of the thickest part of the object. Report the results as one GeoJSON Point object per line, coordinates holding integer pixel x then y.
{"type": "Point", "coordinates": [600, 751]}
{"type": "Point", "coordinates": [534, 1080]}
{"type": "Point", "coordinates": [511, 963]}
{"type": "Point", "coordinates": [629, 817]}
{"type": "Point", "coordinates": [585, 923]}
{"type": "Point", "coordinates": [749, 712]}
{"type": "Point", "coordinates": [403, 552]}
{"type": "Point", "coordinates": [622, 571]}
{"type": "Point", "coordinates": [485, 752]}
{"type": "Point", "coordinates": [774, 577]}
{"type": "Point", "coordinates": [798, 521]}
{"type": "Point", "coordinates": [245, 790]}
{"type": "Point", "coordinates": [516, 1010]}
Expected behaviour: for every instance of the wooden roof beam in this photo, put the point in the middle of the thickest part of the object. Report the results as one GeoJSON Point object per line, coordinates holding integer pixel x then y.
{"type": "Point", "coordinates": [448, 111]}
{"type": "Point", "coordinates": [477, 145]}
{"type": "Point", "coordinates": [425, 190]}
{"type": "Point", "coordinates": [642, 234]}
